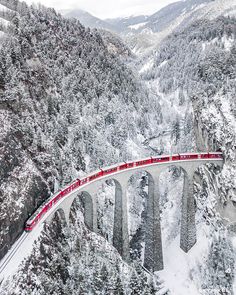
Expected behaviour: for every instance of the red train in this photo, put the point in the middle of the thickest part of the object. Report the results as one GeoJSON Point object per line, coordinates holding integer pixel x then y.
{"type": "Point", "coordinates": [48, 204]}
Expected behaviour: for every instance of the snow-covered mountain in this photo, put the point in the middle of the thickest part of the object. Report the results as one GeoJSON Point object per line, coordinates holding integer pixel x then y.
{"type": "Point", "coordinates": [160, 20]}
{"type": "Point", "coordinates": [5, 15]}
{"type": "Point", "coordinates": [88, 20]}
{"type": "Point", "coordinates": [146, 35]}
{"type": "Point", "coordinates": [197, 65]}
{"type": "Point", "coordinates": [73, 99]}
{"type": "Point", "coordinates": [144, 32]}
{"type": "Point", "coordinates": [126, 24]}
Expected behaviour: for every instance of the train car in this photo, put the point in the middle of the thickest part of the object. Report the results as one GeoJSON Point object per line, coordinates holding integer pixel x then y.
{"type": "Point", "coordinates": [160, 159]}
{"type": "Point", "coordinates": [48, 204]}
{"type": "Point", "coordinates": [204, 156]}
{"type": "Point", "coordinates": [84, 180]}
{"type": "Point", "coordinates": [218, 155]}
{"type": "Point", "coordinates": [122, 166]}
{"type": "Point", "coordinates": [109, 170]}
{"type": "Point", "coordinates": [66, 191]}
{"type": "Point", "coordinates": [188, 156]}
{"type": "Point", "coordinates": [75, 184]}
{"type": "Point", "coordinates": [59, 196]}
{"type": "Point", "coordinates": [144, 162]}
{"type": "Point", "coordinates": [175, 157]}
{"type": "Point", "coordinates": [130, 164]}
{"type": "Point", "coordinates": [95, 175]}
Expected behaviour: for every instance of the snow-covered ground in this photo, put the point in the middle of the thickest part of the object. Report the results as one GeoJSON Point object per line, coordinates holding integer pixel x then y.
{"type": "Point", "coordinates": [21, 249]}
{"type": "Point", "coordinates": [137, 26]}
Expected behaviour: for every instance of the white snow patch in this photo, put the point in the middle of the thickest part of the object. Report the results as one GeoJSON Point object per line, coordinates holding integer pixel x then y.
{"type": "Point", "coordinates": [147, 66]}
{"type": "Point", "coordinates": [228, 42]}
{"type": "Point", "coordinates": [180, 273]}
{"type": "Point", "coordinates": [4, 22]}
{"type": "Point", "coordinates": [2, 7]}
{"type": "Point", "coordinates": [23, 252]}
{"type": "Point", "coordinates": [137, 26]}
{"type": "Point", "coordinates": [163, 63]}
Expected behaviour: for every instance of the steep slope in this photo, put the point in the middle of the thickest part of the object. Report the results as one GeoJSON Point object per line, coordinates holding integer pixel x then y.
{"type": "Point", "coordinates": [142, 33]}
{"type": "Point", "coordinates": [5, 15]}
{"type": "Point", "coordinates": [144, 36]}
{"type": "Point", "coordinates": [128, 23]}
{"type": "Point", "coordinates": [88, 20]}
{"type": "Point", "coordinates": [197, 66]}
{"type": "Point", "coordinates": [72, 260]}
{"type": "Point", "coordinates": [63, 101]}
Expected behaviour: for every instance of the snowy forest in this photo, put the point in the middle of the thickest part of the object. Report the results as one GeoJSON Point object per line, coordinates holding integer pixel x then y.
{"type": "Point", "coordinates": [73, 99]}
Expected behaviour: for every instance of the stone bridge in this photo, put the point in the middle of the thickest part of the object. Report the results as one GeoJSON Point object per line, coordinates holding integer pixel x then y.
{"type": "Point", "coordinates": [153, 257]}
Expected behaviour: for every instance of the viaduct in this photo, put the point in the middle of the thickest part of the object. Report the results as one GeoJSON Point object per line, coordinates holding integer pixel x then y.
{"type": "Point", "coordinates": [153, 257]}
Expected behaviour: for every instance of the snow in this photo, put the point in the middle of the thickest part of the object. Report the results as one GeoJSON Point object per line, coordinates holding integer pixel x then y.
{"type": "Point", "coordinates": [3, 7]}
{"type": "Point", "coordinates": [137, 26]}
{"type": "Point", "coordinates": [217, 8]}
{"type": "Point", "coordinates": [22, 252]}
{"type": "Point", "coordinates": [147, 66]}
{"type": "Point", "coordinates": [4, 22]}
{"type": "Point", "coordinates": [228, 42]}
{"type": "Point", "coordinates": [180, 273]}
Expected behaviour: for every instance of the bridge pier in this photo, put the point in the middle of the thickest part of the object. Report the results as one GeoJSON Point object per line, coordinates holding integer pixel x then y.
{"type": "Point", "coordinates": [120, 229]}
{"type": "Point", "coordinates": [90, 209]}
{"type": "Point", "coordinates": [188, 226]}
{"type": "Point", "coordinates": [153, 257]}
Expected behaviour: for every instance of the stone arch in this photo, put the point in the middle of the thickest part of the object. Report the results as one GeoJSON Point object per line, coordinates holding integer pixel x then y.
{"type": "Point", "coordinates": [84, 200]}
{"type": "Point", "coordinates": [58, 219]}
{"type": "Point", "coordinates": [58, 214]}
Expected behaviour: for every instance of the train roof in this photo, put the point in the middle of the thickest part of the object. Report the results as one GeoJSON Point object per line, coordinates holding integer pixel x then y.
{"type": "Point", "coordinates": [140, 160]}
{"type": "Point", "coordinates": [112, 166]}
{"type": "Point", "coordinates": [91, 173]}
{"type": "Point", "coordinates": [186, 154]}
{"type": "Point", "coordinates": [162, 156]}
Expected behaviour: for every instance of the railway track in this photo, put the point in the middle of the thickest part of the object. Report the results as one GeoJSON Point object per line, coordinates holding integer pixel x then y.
{"type": "Point", "coordinates": [7, 258]}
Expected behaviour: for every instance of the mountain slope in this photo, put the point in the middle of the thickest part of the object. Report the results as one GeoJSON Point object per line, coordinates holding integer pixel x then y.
{"type": "Point", "coordinates": [61, 98]}
{"type": "Point", "coordinates": [69, 103]}
{"type": "Point", "coordinates": [198, 65]}
{"type": "Point", "coordinates": [88, 20]}
{"type": "Point", "coordinates": [145, 35]}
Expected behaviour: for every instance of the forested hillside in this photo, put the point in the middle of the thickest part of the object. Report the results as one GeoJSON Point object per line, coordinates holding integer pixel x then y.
{"type": "Point", "coordinates": [73, 99]}
{"type": "Point", "coordinates": [198, 65]}
{"type": "Point", "coordinates": [62, 98]}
